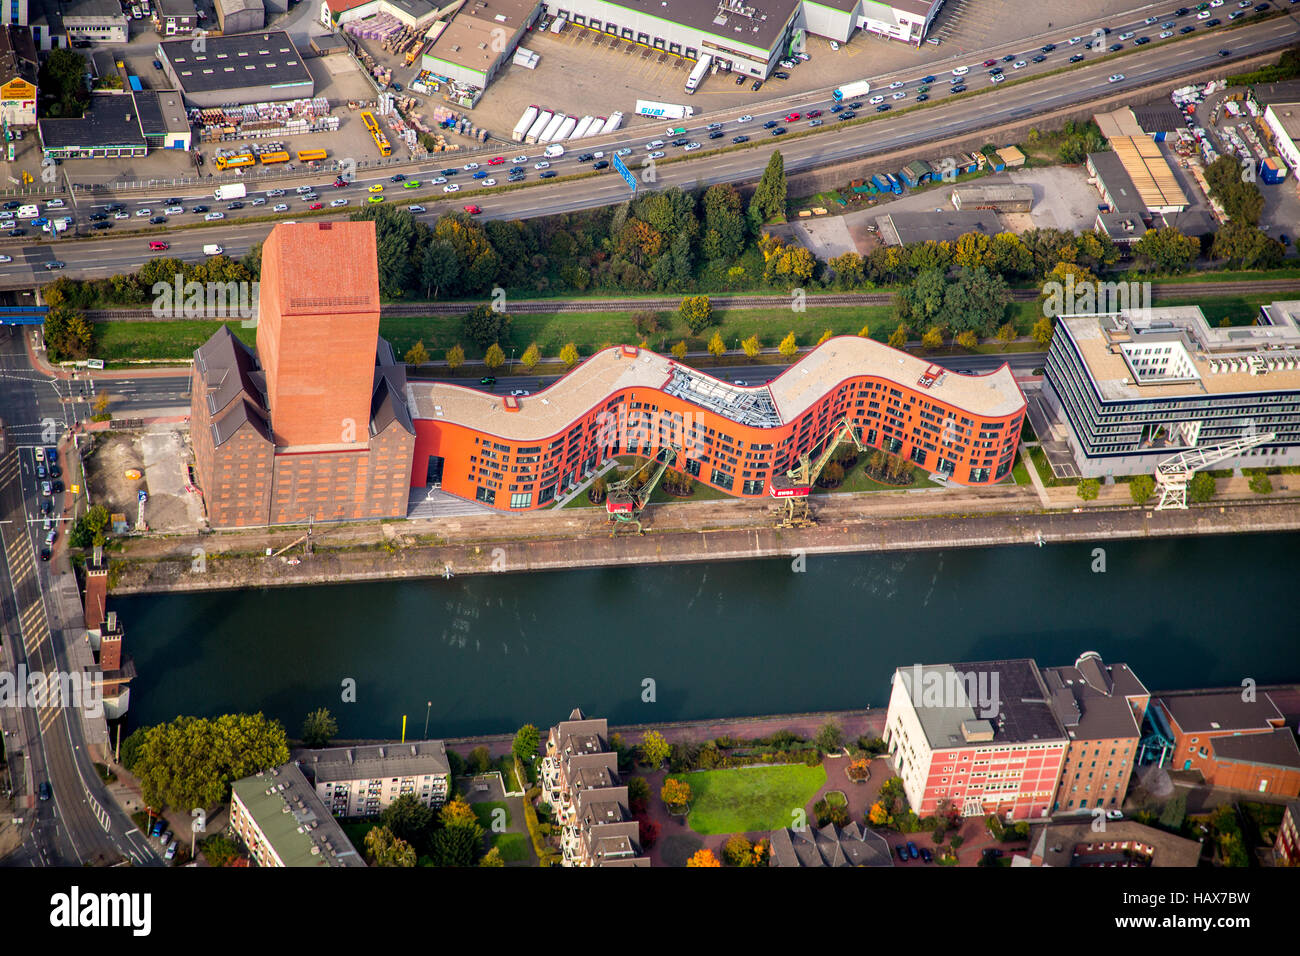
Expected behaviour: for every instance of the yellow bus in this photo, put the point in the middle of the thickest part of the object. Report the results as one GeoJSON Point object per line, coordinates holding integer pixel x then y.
{"type": "Point", "coordinates": [278, 157]}
{"type": "Point", "coordinates": [311, 155]}
{"type": "Point", "coordinates": [236, 162]}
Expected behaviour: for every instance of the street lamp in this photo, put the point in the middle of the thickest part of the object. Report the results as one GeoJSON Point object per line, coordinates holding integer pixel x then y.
{"type": "Point", "coordinates": [428, 707]}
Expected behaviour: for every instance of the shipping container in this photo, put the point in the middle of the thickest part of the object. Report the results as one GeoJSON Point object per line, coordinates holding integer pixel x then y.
{"type": "Point", "coordinates": [524, 124]}
{"type": "Point", "coordinates": [553, 127]}
{"type": "Point", "coordinates": [535, 131]}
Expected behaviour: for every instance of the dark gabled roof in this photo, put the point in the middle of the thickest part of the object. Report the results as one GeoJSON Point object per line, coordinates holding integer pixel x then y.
{"type": "Point", "coordinates": [1277, 749]}
{"type": "Point", "coordinates": [1092, 698]}
{"type": "Point", "coordinates": [830, 846]}
{"type": "Point", "coordinates": [242, 413]}
{"type": "Point", "coordinates": [388, 401]}
{"type": "Point", "coordinates": [234, 386]}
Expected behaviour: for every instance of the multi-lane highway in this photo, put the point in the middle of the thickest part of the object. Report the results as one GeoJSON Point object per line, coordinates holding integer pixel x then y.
{"type": "Point", "coordinates": [77, 823]}
{"type": "Point", "coordinates": [1009, 102]}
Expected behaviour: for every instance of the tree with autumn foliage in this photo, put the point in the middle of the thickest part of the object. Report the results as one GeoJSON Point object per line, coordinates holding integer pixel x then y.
{"type": "Point", "coordinates": [878, 816]}
{"type": "Point", "coordinates": [859, 769]}
{"type": "Point", "coordinates": [676, 794]}
{"type": "Point", "coordinates": [703, 857]}
{"type": "Point", "coordinates": [751, 346]}
{"type": "Point", "coordinates": [654, 749]}
{"type": "Point", "coordinates": [738, 851]}
{"type": "Point", "coordinates": [717, 347]}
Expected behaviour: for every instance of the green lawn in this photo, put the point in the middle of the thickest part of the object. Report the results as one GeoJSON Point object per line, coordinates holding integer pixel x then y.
{"type": "Point", "coordinates": [750, 798]}
{"type": "Point", "coordinates": [1020, 473]}
{"type": "Point", "coordinates": [858, 480]}
{"type": "Point", "coordinates": [485, 810]}
{"type": "Point", "coordinates": [512, 846]}
{"type": "Point", "coordinates": [126, 341]}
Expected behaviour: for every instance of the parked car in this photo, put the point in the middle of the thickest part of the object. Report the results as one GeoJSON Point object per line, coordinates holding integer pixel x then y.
{"type": "Point", "coordinates": [902, 853]}
{"type": "Point", "coordinates": [911, 850]}
{"type": "Point", "coordinates": [488, 380]}
{"type": "Point", "coordinates": [926, 855]}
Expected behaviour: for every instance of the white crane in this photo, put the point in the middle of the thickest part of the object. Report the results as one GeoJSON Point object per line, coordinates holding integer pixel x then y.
{"type": "Point", "coordinates": [1173, 474]}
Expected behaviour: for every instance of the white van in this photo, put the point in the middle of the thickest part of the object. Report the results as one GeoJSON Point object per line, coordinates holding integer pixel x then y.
{"type": "Point", "coordinates": [555, 149]}
{"type": "Point", "coordinates": [212, 249]}
{"type": "Point", "coordinates": [30, 211]}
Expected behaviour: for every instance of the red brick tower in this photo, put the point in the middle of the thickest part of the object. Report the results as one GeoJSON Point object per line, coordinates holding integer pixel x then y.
{"type": "Point", "coordinates": [318, 322]}
{"type": "Point", "coordinates": [96, 588]}
{"type": "Point", "coordinates": [110, 644]}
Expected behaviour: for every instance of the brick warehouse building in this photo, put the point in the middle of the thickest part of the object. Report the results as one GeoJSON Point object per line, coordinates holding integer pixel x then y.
{"type": "Point", "coordinates": [521, 453]}
{"type": "Point", "coordinates": [313, 424]}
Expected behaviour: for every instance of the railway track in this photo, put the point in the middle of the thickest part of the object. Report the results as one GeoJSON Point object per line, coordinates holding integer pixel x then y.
{"type": "Point", "coordinates": [660, 304]}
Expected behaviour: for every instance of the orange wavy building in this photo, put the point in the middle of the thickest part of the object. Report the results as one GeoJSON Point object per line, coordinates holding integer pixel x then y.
{"type": "Point", "coordinates": [521, 453]}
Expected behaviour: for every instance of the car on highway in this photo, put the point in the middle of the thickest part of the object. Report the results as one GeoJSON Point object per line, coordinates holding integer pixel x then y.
{"type": "Point", "coordinates": [679, 142]}
{"type": "Point", "coordinates": [876, 99]}
{"type": "Point", "coordinates": [625, 151]}
{"type": "Point", "coordinates": [44, 790]}
{"type": "Point", "coordinates": [546, 165]}
{"type": "Point", "coordinates": [793, 117]}
{"type": "Point", "coordinates": [1225, 53]}
{"type": "Point", "coordinates": [922, 97]}
{"type": "Point", "coordinates": [1141, 41]}
{"type": "Point", "coordinates": [1203, 15]}
{"type": "Point", "coordinates": [481, 174]}
{"type": "Point", "coordinates": [143, 213]}
{"type": "Point", "coordinates": [335, 203]}
{"type": "Point", "coordinates": [958, 88]}
{"type": "Point", "coordinates": [771, 124]}
{"type": "Point", "coordinates": [600, 164]}
{"type": "Point", "coordinates": [745, 119]}
{"type": "Point", "coordinates": [437, 181]}
{"type": "Point", "coordinates": [516, 178]}
{"type": "Point", "coordinates": [98, 216]}
{"type": "Point", "coordinates": [280, 207]}
{"type": "Point", "coordinates": [779, 131]}
{"type": "Point", "coordinates": [1048, 47]}
{"type": "Point", "coordinates": [517, 159]}
{"type": "Point", "coordinates": [321, 205]}
{"type": "Point", "coordinates": [1008, 58]}
{"type": "Point", "coordinates": [989, 62]}
{"type": "Point", "coordinates": [308, 197]}
{"type": "Point", "coordinates": [1019, 65]}
{"type": "Point", "coordinates": [717, 134]}
{"type": "Point", "coordinates": [158, 246]}
{"type": "Point", "coordinates": [396, 178]}
{"type": "Point", "coordinates": [675, 130]}
{"type": "Point", "coordinates": [302, 190]}
{"type": "Point", "coordinates": [47, 489]}
{"type": "Point", "coordinates": [549, 174]}
{"type": "Point", "coordinates": [451, 188]}
{"type": "Point", "coordinates": [470, 167]}
{"type": "Point", "coordinates": [6, 258]}
{"type": "Point", "coordinates": [214, 216]}
{"type": "Point", "coordinates": [900, 95]}
{"type": "Point", "coordinates": [883, 108]}
{"type": "Point", "coordinates": [1188, 29]}
{"type": "Point", "coordinates": [1077, 58]}
{"type": "Point", "coordinates": [740, 139]}
{"type": "Point", "coordinates": [960, 70]}
{"type": "Point", "coordinates": [712, 126]}
{"type": "Point", "coordinates": [847, 115]}
{"type": "Point", "coordinates": [174, 210]}
{"type": "Point", "coordinates": [411, 184]}
{"type": "Point", "coordinates": [376, 188]}
{"type": "Point", "coordinates": [1150, 20]}
{"type": "Point", "coordinates": [996, 78]}
{"type": "Point", "coordinates": [101, 225]}
{"type": "Point", "coordinates": [586, 157]}
{"type": "Point", "coordinates": [657, 154]}
{"type": "Point", "coordinates": [815, 122]}
{"type": "Point", "coordinates": [1127, 35]}
{"type": "Point", "coordinates": [489, 182]}
{"type": "Point", "coordinates": [275, 193]}
{"type": "Point", "coordinates": [1038, 59]}
{"type": "Point", "coordinates": [1114, 77]}
{"type": "Point", "coordinates": [497, 161]}
{"type": "Point", "coordinates": [259, 201]}
{"type": "Point", "coordinates": [54, 265]}
{"type": "Point", "coordinates": [654, 144]}
{"type": "Point", "coordinates": [234, 205]}
{"type": "Point", "coordinates": [1213, 22]}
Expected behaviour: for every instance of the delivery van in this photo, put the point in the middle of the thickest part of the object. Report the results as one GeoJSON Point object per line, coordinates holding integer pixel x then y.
{"type": "Point", "coordinates": [211, 249]}
{"type": "Point", "coordinates": [30, 211]}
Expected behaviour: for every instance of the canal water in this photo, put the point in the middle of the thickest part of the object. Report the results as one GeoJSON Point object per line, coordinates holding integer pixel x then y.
{"type": "Point", "coordinates": [710, 640]}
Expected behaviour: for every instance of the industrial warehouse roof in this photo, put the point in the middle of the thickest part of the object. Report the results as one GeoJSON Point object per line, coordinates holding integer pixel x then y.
{"type": "Point", "coordinates": [1220, 711]}
{"type": "Point", "coordinates": [264, 58]}
{"type": "Point", "coordinates": [757, 23]}
{"type": "Point", "coordinates": [293, 820]}
{"type": "Point", "coordinates": [1091, 699]}
{"type": "Point", "coordinates": [110, 120]}
{"type": "Point", "coordinates": [901, 228]}
{"type": "Point", "coordinates": [1277, 749]}
{"type": "Point", "coordinates": [1150, 171]}
{"type": "Point", "coordinates": [161, 112]}
{"type": "Point", "coordinates": [414, 759]}
{"type": "Point", "coordinates": [612, 370]}
{"type": "Point", "coordinates": [1288, 117]}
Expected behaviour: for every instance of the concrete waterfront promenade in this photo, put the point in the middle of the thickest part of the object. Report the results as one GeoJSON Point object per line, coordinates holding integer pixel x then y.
{"type": "Point", "coordinates": [725, 530]}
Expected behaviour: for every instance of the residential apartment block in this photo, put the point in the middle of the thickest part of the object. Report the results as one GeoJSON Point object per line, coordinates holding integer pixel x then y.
{"type": "Point", "coordinates": [580, 783]}
{"type": "Point", "coordinates": [362, 781]}
{"type": "Point", "coordinates": [980, 737]}
{"type": "Point", "coordinates": [1101, 708]}
{"type": "Point", "coordinates": [283, 823]}
{"type": "Point", "coordinates": [1136, 386]}
{"type": "Point", "coordinates": [1287, 846]}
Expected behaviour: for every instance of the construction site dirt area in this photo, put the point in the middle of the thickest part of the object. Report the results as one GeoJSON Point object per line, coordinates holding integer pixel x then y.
{"type": "Point", "coordinates": [122, 464]}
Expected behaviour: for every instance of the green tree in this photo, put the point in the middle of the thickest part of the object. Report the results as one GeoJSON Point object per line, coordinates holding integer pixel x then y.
{"type": "Point", "coordinates": [532, 355]}
{"type": "Point", "coordinates": [1006, 334]}
{"type": "Point", "coordinates": [788, 348]}
{"type": "Point", "coordinates": [483, 326]}
{"type": "Point", "coordinates": [1140, 488]}
{"type": "Point", "coordinates": [768, 201]}
{"type": "Point", "coordinates": [417, 354]}
{"type": "Point", "coordinates": [1245, 246]}
{"type": "Point", "coordinates": [1042, 332]}
{"type": "Point", "coordinates": [968, 340]}
{"type": "Point", "coordinates": [717, 348]}
{"type": "Point", "coordinates": [697, 312]}
{"type": "Point", "coordinates": [751, 346]}
{"type": "Point", "coordinates": [90, 527]}
{"type": "Point", "coordinates": [319, 727]}
{"type": "Point", "coordinates": [455, 357]}
{"type": "Point", "coordinates": [527, 739]}
{"type": "Point", "coordinates": [1174, 812]}
{"type": "Point", "coordinates": [654, 749]}
{"type": "Point", "coordinates": [738, 851]}
{"type": "Point", "coordinates": [933, 337]}
{"type": "Point", "coordinates": [1166, 250]}
{"type": "Point", "coordinates": [849, 269]}
{"type": "Point", "coordinates": [679, 351]}
{"type": "Point", "coordinates": [492, 858]}
{"type": "Point", "coordinates": [898, 338]}
{"type": "Point", "coordinates": [457, 844]}
{"type": "Point", "coordinates": [569, 354]}
{"type": "Point", "coordinates": [724, 223]}
{"type": "Point", "coordinates": [62, 84]}
{"type": "Point", "coordinates": [191, 761]}
{"type": "Point", "coordinates": [438, 267]}
{"type": "Point", "coordinates": [830, 737]}
{"type": "Point", "coordinates": [408, 818]}
{"type": "Point", "coordinates": [480, 759]}
{"type": "Point", "coordinates": [1201, 488]}
{"type": "Point", "coordinates": [494, 357]}
{"type": "Point", "coordinates": [384, 849]}
{"type": "Point", "coordinates": [921, 302]}
{"type": "Point", "coordinates": [1260, 484]}
{"type": "Point", "coordinates": [67, 334]}
{"type": "Point", "coordinates": [1089, 488]}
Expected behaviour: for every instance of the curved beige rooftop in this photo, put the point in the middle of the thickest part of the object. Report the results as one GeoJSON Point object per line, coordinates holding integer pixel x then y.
{"type": "Point", "coordinates": [612, 370]}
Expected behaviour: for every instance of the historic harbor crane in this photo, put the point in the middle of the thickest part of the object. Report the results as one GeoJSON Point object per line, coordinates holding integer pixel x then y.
{"type": "Point", "coordinates": [796, 485]}
{"type": "Point", "coordinates": [626, 499]}
{"type": "Point", "coordinates": [1173, 474]}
